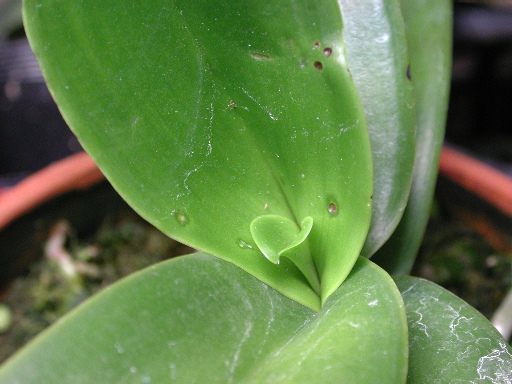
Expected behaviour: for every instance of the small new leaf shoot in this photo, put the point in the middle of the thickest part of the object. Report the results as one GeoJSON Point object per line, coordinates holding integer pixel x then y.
{"type": "Point", "coordinates": [277, 236]}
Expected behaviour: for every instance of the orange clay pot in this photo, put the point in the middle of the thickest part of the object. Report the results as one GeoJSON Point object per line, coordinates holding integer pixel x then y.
{"type": "Point", "coordinates": [77, 171]}
{"type": "Point", "coordinates": [481, 179]}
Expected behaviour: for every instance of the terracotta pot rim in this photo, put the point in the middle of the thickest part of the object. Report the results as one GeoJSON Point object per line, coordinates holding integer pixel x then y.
{"type": "Point", "coordinates": [475, 176]}
{"type": "Point", "coordinates": [77, 171]}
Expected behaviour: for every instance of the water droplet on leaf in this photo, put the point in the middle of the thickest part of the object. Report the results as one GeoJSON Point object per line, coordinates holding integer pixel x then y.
{"type": "Point", "coordinates": [119, 348]}
{"type": "Point", "coordinates": [181, 218]}
{"type": "Point", "coordinates": [243, 244]}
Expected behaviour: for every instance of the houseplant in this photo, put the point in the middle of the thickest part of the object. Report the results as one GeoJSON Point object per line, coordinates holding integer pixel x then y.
{"type": "Point", "coordinates": [246, 136]}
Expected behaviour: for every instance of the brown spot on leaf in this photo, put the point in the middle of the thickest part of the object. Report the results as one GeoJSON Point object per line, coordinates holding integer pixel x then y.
{"type": "Point", "coordinates": [318, 65]}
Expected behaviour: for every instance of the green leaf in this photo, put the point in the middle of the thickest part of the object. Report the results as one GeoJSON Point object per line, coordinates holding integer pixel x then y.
{"type": "Point", "coordinates": [206, 115]}
{"type": "Point", "coordinates": [428, 26]}
{"type": "Point", "coordinates": [450, 341]}
{"type": "Point", "coordinates": [378, 59]}
{"type": "Point", "coordinates": [201, 319]}
{"type": "Point", "coordinates": [278, 236]}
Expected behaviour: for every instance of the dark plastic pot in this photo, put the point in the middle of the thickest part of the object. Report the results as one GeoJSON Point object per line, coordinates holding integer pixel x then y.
{"type": "Point", "coordinates": [32, 131]}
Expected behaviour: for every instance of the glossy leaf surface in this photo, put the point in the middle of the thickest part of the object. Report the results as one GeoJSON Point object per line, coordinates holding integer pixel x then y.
{"type": "Point", "coordinates": [378, 59]}
{"type": "Point", "coordinates": [206, 115]}
{"type": "Point", "coordinates": [201, 319]}
{"type": "Point", "coordinates": [450, 341]}
{"type": "Point", "coordinates": [429, 34]}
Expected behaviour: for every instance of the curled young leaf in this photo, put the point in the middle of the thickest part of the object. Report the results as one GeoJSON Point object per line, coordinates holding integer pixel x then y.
{"type": "Point", "coordinates": [278, 236]}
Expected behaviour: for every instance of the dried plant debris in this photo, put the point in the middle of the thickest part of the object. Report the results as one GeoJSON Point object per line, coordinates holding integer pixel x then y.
{"type": "Point", "coordinates": [72, 269]}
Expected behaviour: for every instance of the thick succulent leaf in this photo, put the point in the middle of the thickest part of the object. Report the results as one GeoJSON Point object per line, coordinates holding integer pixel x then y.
{"type": "Point", "coordinates": [428, 26]}
{"type": "Point", "coordinates": [450, 341]}
{"type": "Point", "coordinates": [205, 115]}
{"type": "Point", "coordinates": [199, 319]}
{"type": "Point", "coordinates": [377, 56]}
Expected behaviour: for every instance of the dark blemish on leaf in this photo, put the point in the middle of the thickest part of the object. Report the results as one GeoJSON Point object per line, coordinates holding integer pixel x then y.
{"type": "Point", "coordinates": [316, 44]}
{"type": "Point", "coordinates": [327, 52]}
{"type": "Point", "coordinates": [318, 65]}
{"type": "Point", "coordinates": [408, 72]}
{"type": "Point", "coordinates": [232, 104]}
{"type": "Point", "coordinates": [333, 208]}
{"type": "Point", "coordinates": [260, 56]}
